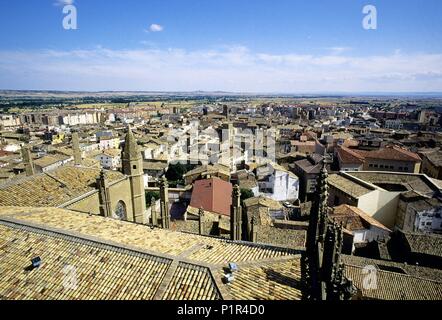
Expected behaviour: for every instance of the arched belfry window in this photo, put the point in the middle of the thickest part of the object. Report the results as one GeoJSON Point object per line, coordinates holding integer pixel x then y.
{"type": "Point", "coordinates": [120, 211]}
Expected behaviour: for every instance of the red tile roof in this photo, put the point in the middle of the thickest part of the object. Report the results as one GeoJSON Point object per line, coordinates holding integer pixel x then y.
{"type": "Point", "coordinates": [213, 195]}
{"type": "Point", "coordinates": [347, 156]}
{"type": "Point", "coordinates": [393, 153]}
{"type": "Point", "coordinates": [354, 218]}
{"type": "Point", "coordinates": [389, 153]}
{"type": "Point", "coordinates": [5, 153]}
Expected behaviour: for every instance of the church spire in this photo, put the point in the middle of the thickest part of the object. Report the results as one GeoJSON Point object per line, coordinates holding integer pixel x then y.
{"type": "Point", "coordinates": [322, 190]}
{"type": "Point", "coordinates": [131, 150]}
{"type": "Point", "coordinates": [132, 163]}
{"type": "Point", "coordinates": [316, 235]}
{"type": "Point", "coordinates": [319, 211]}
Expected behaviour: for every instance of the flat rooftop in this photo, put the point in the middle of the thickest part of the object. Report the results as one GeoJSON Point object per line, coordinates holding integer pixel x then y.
{"type": "Point", "coordinates": [350, 186]}
{"type": "Point", "coordinates": [416, 182]}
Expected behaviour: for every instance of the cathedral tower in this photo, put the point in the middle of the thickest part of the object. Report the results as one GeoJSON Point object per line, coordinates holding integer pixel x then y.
{"type": "Point", "coordinates": [132, 162]}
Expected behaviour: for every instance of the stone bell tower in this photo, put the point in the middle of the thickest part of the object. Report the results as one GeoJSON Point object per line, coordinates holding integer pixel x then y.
{"type": "Point", "coordinates": [132, 162]}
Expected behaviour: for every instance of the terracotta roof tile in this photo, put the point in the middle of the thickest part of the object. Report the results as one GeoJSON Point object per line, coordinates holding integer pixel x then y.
{"type": "Point", "coordinates": [213, 195]}
{"type": "Point", "coordinates": [354, 218]}
{"type": "Point", "coordinates": [52, 189]}
{"type": "Point", "coordinates": [121, 260]}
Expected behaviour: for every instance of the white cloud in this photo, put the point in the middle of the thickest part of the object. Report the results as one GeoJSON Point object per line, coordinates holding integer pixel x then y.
{"type": "Point", "coordinates": [63, 3]}
{"type": "Point", "coordinates": [155, 28]}
{"type": "Point", "coordinates": [339, 50]}
{"type": "Point", "coordinates": [229, 69]}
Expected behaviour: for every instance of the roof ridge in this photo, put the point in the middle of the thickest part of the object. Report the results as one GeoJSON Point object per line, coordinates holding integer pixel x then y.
{"type": "Point", "coordinates": [72, 236]}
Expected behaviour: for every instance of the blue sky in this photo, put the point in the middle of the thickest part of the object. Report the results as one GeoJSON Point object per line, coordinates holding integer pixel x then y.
{"type": "Point", "coordinates": [288, 46]}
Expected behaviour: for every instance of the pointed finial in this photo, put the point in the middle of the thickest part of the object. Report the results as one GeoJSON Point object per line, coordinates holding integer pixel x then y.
{"type": "Point", "coordinates": [236, 190]}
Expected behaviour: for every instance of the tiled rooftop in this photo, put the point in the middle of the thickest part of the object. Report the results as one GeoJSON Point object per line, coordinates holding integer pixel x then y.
{"type": "Point", "coordinates": [416, 182]}
{"type": "Point", "coordinates": [101, 272]}
{"type": "Point", "coordinates": [49, 160]}
{"type": "Point", "coordinates": [264, 202]}
{"type": "Point", "coordinates": [52, 189]}
{"type": "Point", "coordinates": [413, 270]}
{"type": "Point", "coordinates": [394, 286]}
{"type": "Point", "coordinates": [222, 252]}
{"type": "Point", "coordinates": [354, 218]}
{"type": "Point", "coordinates": [279, 281]}
{"type": "Point", "coordinates": [347, 185]}
{"type": "Point", "coordinates": [430, 244]}
{"type": "Point", "coordinates": [284, 237]}
{"type": "Point", "coordinates": [435, 158]}
{"type": "Point", "coordinates": [191, 282]}
{"type": "Point", "coordinates": [177, 265]}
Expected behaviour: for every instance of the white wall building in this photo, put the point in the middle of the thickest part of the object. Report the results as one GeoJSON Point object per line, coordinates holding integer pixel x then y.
{"type": "Point", "coordinates": [109, 143]}
{"type": "Point", "coordinates": [277, 183]}
{"type": "Point", "coordinates": [110, 159]}
{"type": "Point", "coordinates": [429, 221]}
{"type": "Point", "coordinates": [13, 147]}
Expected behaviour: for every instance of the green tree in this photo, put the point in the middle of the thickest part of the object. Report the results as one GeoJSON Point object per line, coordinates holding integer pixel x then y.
{"type": "Point", "coordinates": [150, 195]}
{"type": "Point", "coordinates": [246, 194]}
{"type": "Point", "coordinates": [175, 173]}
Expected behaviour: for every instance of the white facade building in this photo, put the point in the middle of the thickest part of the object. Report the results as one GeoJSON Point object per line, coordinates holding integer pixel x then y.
{"type": "Point", "coordinates": [110, 159]}
{"type": "Point", "coordinates": [429, 221]}
{"type": "Point", "coordinates": [277, 183]}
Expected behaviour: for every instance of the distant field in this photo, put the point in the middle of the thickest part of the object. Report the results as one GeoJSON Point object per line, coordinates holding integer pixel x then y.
{"type": "Point", "coordinates": [28, 101]}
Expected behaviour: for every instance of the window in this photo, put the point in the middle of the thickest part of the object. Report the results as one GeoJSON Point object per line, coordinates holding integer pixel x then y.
{"type": "Point", "coordinates": [120, 211]}
{"type": "Point", "coordinates": [134, 167]}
